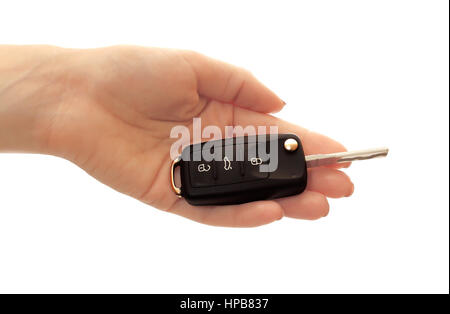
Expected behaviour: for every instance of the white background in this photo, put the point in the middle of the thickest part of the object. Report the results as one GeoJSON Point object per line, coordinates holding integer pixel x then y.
{"type": "Point", "coordinates": [369, 73]}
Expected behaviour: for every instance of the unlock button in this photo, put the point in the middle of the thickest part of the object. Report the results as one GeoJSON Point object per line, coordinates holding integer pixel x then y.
{"type": "Point", "coordinates": [203, 167]}
{"type": "Point", "coordinates": [202, 173]}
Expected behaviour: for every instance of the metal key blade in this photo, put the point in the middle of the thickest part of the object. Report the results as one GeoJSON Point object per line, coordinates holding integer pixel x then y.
{"type": "Point", "coordinates": [338, 158]}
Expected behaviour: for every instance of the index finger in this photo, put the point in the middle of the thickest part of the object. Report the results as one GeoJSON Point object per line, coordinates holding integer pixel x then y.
{"type": "Point", "coordinates": [227, 83]}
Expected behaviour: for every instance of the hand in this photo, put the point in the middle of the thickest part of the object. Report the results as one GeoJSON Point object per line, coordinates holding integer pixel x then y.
{"type": "Point", "coordinates": [111, 110]}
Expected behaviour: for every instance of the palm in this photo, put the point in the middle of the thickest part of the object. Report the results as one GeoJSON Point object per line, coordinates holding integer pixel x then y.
{"type": "Point", "coordinates": [121, 131]}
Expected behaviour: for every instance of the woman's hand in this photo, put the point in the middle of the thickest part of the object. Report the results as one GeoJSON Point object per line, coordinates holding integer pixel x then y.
{"type": "Point", "coordinates": [111, 111]}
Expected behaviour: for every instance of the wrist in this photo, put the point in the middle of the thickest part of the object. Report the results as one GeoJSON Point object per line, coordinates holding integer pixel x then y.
{"type": "Point", "coordinates": [30, 91]}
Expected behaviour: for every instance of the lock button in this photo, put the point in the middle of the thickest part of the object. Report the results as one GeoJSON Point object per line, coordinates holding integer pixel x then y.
{"type": "Point", "coordinates": [253, 170]}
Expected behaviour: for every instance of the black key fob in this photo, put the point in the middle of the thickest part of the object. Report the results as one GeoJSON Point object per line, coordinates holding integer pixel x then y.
{"type": "Point", "coordinates": [241, 169]}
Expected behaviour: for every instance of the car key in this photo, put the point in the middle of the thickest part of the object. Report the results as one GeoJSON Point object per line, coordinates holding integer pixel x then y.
{"type": "Point", "coordinates": [227, 179]}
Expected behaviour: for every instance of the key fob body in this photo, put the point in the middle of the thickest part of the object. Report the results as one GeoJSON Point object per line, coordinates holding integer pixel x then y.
{"type": "Point", "coordinates": [232, 180]}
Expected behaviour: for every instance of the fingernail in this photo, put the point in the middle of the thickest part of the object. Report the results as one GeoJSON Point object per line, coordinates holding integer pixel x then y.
{"type": "Point", "coordinates": [279, 109]}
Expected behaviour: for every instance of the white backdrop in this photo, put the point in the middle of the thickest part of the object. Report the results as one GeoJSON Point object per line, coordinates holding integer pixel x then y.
{"type": "Point", "coordinates": [368, 73]}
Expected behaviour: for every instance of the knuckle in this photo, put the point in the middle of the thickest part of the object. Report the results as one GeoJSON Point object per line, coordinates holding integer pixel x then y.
{"type": "Point", "coordinates": [191, 55]}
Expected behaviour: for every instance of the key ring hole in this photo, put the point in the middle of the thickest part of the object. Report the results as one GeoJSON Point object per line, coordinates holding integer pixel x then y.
{"type": "Point", "coordinates": [175, 164]}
